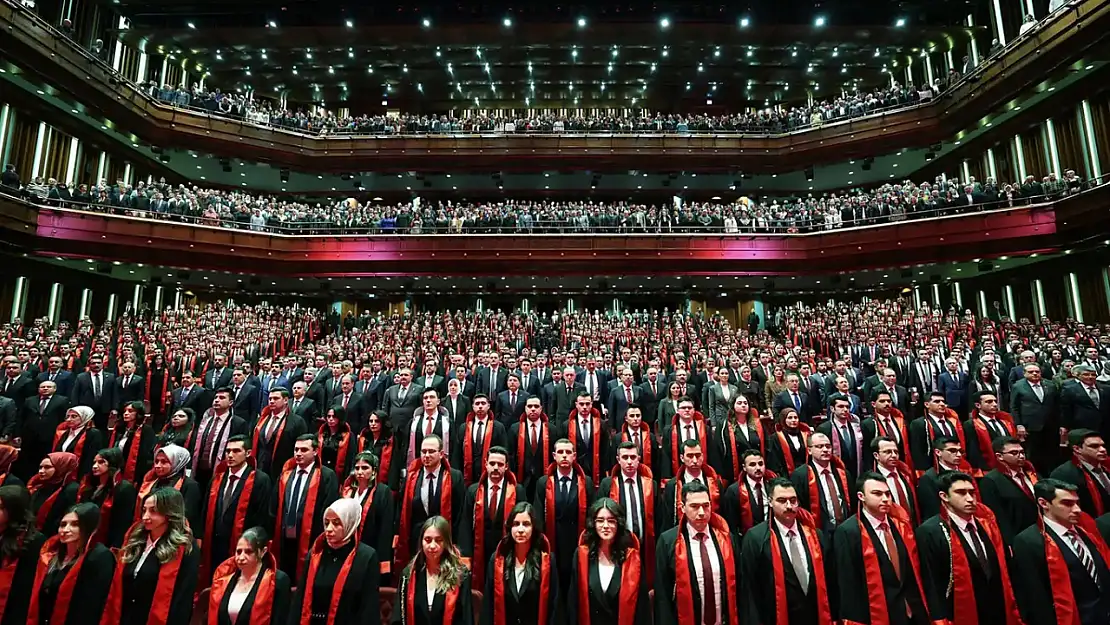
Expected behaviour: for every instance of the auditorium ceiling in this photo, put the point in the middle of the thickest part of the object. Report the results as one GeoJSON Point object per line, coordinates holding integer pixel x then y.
{"type": "Point", "coordinates": [433, 57]}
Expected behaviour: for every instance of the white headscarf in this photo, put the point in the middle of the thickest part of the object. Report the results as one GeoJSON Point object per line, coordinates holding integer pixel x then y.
{"type": "Point", "coordinates": [349, 512]}
{"type": "Point", "coordinates": [178, 456]}
{"type": "Point", "coordinates": [85, 413]}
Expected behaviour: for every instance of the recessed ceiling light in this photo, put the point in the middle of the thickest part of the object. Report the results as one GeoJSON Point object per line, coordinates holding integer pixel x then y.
{"type": "Point", "coordinates": [665, 23]}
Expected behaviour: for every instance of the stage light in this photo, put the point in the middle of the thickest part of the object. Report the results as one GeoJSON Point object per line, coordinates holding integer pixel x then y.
{"type": "Point", "coordinates": [427, 23]}
{"type": "Point", "coordinates": [507, 22]}
{"type": "Point", "coordinates": [665, 23]}
{"type": "Point", "coordinates": [581, 22]}
{"type": "Point", "coordinates": [901, 22]}
{"type": "Point", "coordinates": [744, 22]}
{"type": "Point", "coordinates": [819, 22]}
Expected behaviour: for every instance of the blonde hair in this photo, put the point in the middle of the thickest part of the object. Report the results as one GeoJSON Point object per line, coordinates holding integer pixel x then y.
{"type": "Point", "coordinates": [169, 503]}
{"type": "Point", "coordinates": [451, 568]}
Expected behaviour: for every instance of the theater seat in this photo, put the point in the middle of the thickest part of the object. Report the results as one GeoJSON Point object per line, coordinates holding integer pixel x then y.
{"type": "Point", "coordinates": [388, 596]}
{"type": "Point", "coordinates": [200, 608]}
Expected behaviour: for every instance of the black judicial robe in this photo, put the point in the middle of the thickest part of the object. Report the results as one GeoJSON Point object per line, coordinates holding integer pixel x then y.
{"type": "Point", "coordinates": [565, 516]}
{"type": "Point", "coordinates": [358, 599]}
{"type": "Point", "coordinates": [67, 496]}
{"type": "Point", "coordinates": [90, 590]}
{"type": "Point", "coordinates": [494, 525]}
{"type": "Point", "coordinates": [666, 612]}
{"type": "Point", "coordinates": [521, 605]}
{"type": "Point", "coordinates": [934, 550]}
{"type": "Point", "coordinates": [853, 604]}
{"type": "Point", "coordinates": [23, 579]}
{"type": "Point", "coordinates": [1013, 509]}
{"type": "Point", "coordinates": [377, 529]}
{"type": "Point", "coordinates": [279, 611]}
{"type": "Point", "coordinates": [222, 527]}
{"type": "Point", "coordinates": [1034, 587]}
{"type": "Point", "coordinates": [434, 615]}
{"type": "Point", "coordinates": [605, 605]}
{"type": "Point", "coordinates": [758, 583]}
{"type": "Point", "coordinates": [138, 590]}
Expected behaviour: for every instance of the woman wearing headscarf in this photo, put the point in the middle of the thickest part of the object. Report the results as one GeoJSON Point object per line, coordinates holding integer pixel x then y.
{"type": "Point", "coordinates": [249, 588]}
{"type": "Point", "coordinates": [340, 584]}
{"type": "Point", "coordinates": [157, 568]}
{"type": "Point", "coordinates": [8, 455]}
{"type": "Point", "coordinates": [53, 490]}
{"type": "Point", "coordinates": [168, 471]}
{"type": "Point", "coordinates": [179, 429]}
{"type": "Point", "coordinates": [77, 435]}
{"type": "Point", "coordinates": [135, 439]}
{"type": "Point", "coordinates": [376, 526]}
{"type": "Point", "coordinates": [20, 543]}
{"type": "Point", "coordinates": [74, 572]}
{"type": "Point", "coordinates": [105, 487]}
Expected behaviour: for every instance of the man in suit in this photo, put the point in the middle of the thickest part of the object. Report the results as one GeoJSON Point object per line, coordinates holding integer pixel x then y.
{"type": "Point", "coordinates": [214, 428]}
{"type": "Point", "coordinates": [275, 434]}
{"type": "Point", "coordinates": [594, 380]}
{"type": "Point", "coordinates": [899, 395]}
{"type": "Point", "coordinates": [96, 389]}
{"type": "Point", "coordinates": [487, 504]}
{"type": "Point", "coordinates": [572, 491]}
{"type": "Point", "coordinates": [17, 384]}
{"type": "Point", "coordinates": [400, 400]}
{"type": "Point", "coordinates": [896, 583]}
{"type": "Point", "coordinates": [953, 383]}
{"type": "Point", "coordinates": [938, 421]}
{"type": "Point", "coordinates": [1008, 489]}
{"type": "Point", "coordinates": [949, 454]}
{"type": "Point", "coordinates": [1063, 566]}
{"type": "Point", "coordinates": [466, 386]}
{"type": "Point", "coordinates": [530, 381]}
{"type": "Point", "coordinates": [493, 379]}
{"type": "Point", "coordinates": [233, 476]}
{"type": "Point", "coordinates": [563, 395]}
{"type": "Point", "coordinates": [59, 376]}
{"type": "Point", "coordinates": [314, 387]}
{"type": "Point", "coordinates": [475, 436]}
{"type": "Point", "coordinates": [430, 379]}
{"type": "Point", "coordinates": [745, 503]}
{"type": "Point", "coordinates": [654, 389]}
{"type": "Point", "coordinates": [964, 564]}
{"type": "Point", "coordinates": [219, 375]}
{"type": "Point", "coordinates": [530, 444]}
{"type": "Point", "coordinates": [1034, 407]}
{"type": "Point", "coordinates": [33, 430]}
{"type": "Point", "coordinates": [132, 387]}
{"type": "Point", "coordinates": [792, 397]}
{"type": "Point", "coordinates": [303, 406]}
{"type": "Point", "coordinates": [798, 551]}
{"type": "Point", "coordinates": [842, 370]}
{"type": "Point", "coordinates": [701, 538]}
{"type": "Point", "coordinates": [305, 480]}
{"type": "Point", "coordinates": [1088, 470]}
{"type": "Point", "coordinates": [886, 453]}
{"type": "Point", "coordinates": [1084, 405]}
{"type": "Point", "coordinates": [353, 403]}
{"type": "Point", "coordinates": [431, 420]}
{"type": "Point", "coordinates": [824, 476]}
{"type": "Point", "coordinates": [845, 432]}
{"type": "Point", "coordinates": [510, 403]}
{"type": "Point", "coordinates": [244, 397]}
{"type": "Point", "coordinates": [638, 494]}
{"type": "Point", "coordinates": [622, 395]}
{"type": "Point", "coordinates": [190, 395]}
{"type": "Point", "coordinates": [272, 378]}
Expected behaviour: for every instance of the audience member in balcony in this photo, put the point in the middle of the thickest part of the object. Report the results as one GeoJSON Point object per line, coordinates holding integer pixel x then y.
{"type": "Point", "coordinates": [10, 178]}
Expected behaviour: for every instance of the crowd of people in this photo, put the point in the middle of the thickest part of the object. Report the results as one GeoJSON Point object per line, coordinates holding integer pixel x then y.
{"type": "Point", "coordinates": [888, 203]}
{"type": "Point", "coordinates": [863, 462]}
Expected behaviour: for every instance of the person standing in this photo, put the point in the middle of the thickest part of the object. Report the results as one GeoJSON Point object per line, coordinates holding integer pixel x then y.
{"type": "Point", "coordinates": [607, 586]}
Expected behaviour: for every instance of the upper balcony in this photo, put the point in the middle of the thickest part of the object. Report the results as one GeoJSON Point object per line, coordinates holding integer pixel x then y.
{"type": "Point", "coordinates": [1068, 37]}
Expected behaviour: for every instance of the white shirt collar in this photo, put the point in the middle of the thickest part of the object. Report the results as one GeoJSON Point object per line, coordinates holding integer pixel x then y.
{"type": "Point", "coordinates": [784, 530]}
{"type": "Point", "coordinates": [959, 522]}
{"type": "Point", "coordinates": [885, 472]}
{"type": "Point", "coordinates": [239, 474]}
{"type": "Point", "coordinates": [1060, 530]}
{"type": "Point", "coordinates": [875, 523]}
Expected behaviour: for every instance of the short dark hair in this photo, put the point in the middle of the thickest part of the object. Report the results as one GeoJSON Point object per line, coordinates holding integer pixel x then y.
{"type": "Point", "coordinates": [937, 394]}
{"type": "Point", "coordinates": [1000, 443]}
{"type": "Point", "coordinates": [693, 487]}
{"type": "Point", "coordinates": [1047, 487]}
{"type": "Point", "coordinates": [1076, 438]}
{"type": "Point", "coordinates": [634, 405]}
{"type": "Point", "coordinates": [867, 476]}
{"type": "Point", "coordinates": [690, 443]}
{"type": "Point", "coordinates": [498, 449]}
{"type": "Point", "coordinates": [940, 441]}
{"type": "Point", "coordinates": [879, 440]}
{"type": "Point", "coordinates": [839, 397]}
{"type": "Point", "coordinates": [979, 396]}
{"type": "Point", "coordinates": [584, 393]}
{"type": "Point", "coordinates": [778, 482]}
{"type": "Point", "coordinates": [239, 438]}
{"type": "Point", "coordinates": [309, 437]}
{"type": "Point", "coordinates": [748, 453]}
{"type": "Point", "coordinates": [225, 390]}
{"type": "Point", "coordinates": [946, 480]}
{"type": "Point", "coordinates": [627, 445]}
{"type": "Point", "coordinates": [280, 390]}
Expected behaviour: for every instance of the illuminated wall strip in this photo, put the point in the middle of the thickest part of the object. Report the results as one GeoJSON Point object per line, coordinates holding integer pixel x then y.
{"type": "Point", "coordinates": [965, 170]}
{"type": "Point", "coordinates": [1092, 147]}
{"type": "Point", "coordinates": [1019, 156]}
{"type": "Point", "coordinates": [127, 173]}
{"type": "Point", "coordinates": [150, 179]}
{"type": "Point", "coordinates": [982, 304]}
{"type": "Point", "coordinates": [71, 162]}
{"type": "Point", "coordinates": [102, 166]}
{"type": "Point", "coordinates": [54, 307]}
{"type": "Point", "coordinates": [909, 74]}
{"type": "Point", "coordinates": [86, 303]}
{"type": "Point", "coordinates": [137, 298]}
{"type": "Point", "coordinates": [1076, 303]}
{"type": "Point", "coordinates": [158, 295]}
{"type": "Point", "coordinates": [990, 164]}
{"type": "Point", "coordinates": [936, 295]}
{"type": "Point", "coordinates": [177, 303]}
{"type": "Point", "coordinates": [5, 114]}
{"type": "Point", "coordinates": [1038, 298]}
{"type": "Point", "coordinates": [999, 25]}
{"type": "Point", "coordinates": [1029, 8]}
{"type": "Point", "coordinates": [36, 162]}
{"type": "Point", "coordinates": [111, 307]}
{"type": "Point", "coordinates": [20, 299]}
{"type": "Point", "coordinates": [974, 44]}
{"type": "Point", "coordinates": [917, 297]}
{"type": "Point", "coordinates": [1009, 293]}
{"type": "Point", "coordinates": [929, 68]}
{"type": "Point", "coordinates": [1053, 154]}
{"type": "Point", "coordinates": [117, 56]}
{"type": "Point", "coordinates": [958, 294]}
{"type": "Point", "coordinates": [141, 76]}
{"type": "Point", "coordinates": [1106, 285]}
{"type": "Point", "coordinates": [164, 77]}
{"type": "Point", "coordinates": [948, 57]}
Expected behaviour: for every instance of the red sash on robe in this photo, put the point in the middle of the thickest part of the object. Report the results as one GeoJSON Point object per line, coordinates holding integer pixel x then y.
{"type": "Point", "coordinates": [730, 440]}
{"type": "Point", "coordinates": [408, 591]}
{"type": "Point", "coordinates": [401, 553]}
{"type": "Point", "coordinates": [986, 443]}
{"type": "Point", "coordinates": [304, 541]}
{"type": "Point", "coordinates": [1067, 613]}
{"type": "Point", "coordinates": [873, 577]}
{"type": "Point", "coordinates": [101, 534]}
{"type": "Point", "coordinates": [685, 585]}
{"type": "Point", "coordinates": [899, 422]}
{"type": "Point", "coordinates": [703, 438]}
{"type": "Point", "coordinates": [337, 586]}
{"type": "Point", "coordinates": [837, 467]}
{"type": "Point", "coordinates": [163, 592]}
{"type": "Point", "coordinates": [629, 590]}
{"type": "Point", "coordinates": [645, 442]}
{"type": "Point", "coordinates": [1093, 487]}
{"type": "Point", "coordinates": [964, 611]}
{"type": "Point", "coordinates": [263, 606]}
{"type": "Point", "coordinates": [804, 525]}
{"type": "Point", "coordinates": [784, 446]}
{"type": "Point", "coordinates": [523, 432]}
{"type": "Point", "coordinates": [78, 445]}
{"type": "Point", "coordinates": [549, 500]}
{"type": "Point", "coordinates": [215, 491]}
{"type": "Point", "coordinates": [957, 427]}
{"type": "Point", "coordinates": [163, 394]}
{"type": "Point", "coordinates": [65, 590]}
{"type": "Point", "coordinates": [647, 487]}
{"type": "Point", "coordinates": [44, 510]}
{"type": "Point", "coordinates": [149, 480]}
{"type": "Point", "coordinates": [468, 444]}
{"type": "Point", "coordinates": [595, 440]}
{"type": "Point", "coordinates": [133, 446]}
{"type": "Point", "coordinates": [714, 486]}
{"type": "Point", "coordinates": [344, 445]}
{"type": "Point", "coordinates": [480, 557]}
{"type": "Point", "coordinates": [263, 421]}
{"type": "Point", "coordinates": [747, 517]}
{"type": "Point", "coordinates": [386, 458]}
{"type": "Point", "coordinates": [498, 580]}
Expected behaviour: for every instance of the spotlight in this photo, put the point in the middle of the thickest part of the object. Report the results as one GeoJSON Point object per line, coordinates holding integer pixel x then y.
{"type": "Point", "coordinates": [665, 23]}
{"type": "Point", "coordinates": [284, 174]}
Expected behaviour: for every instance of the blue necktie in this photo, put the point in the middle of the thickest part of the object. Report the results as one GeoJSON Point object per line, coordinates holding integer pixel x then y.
{"type": "Point", "coordinates": [797, 403]}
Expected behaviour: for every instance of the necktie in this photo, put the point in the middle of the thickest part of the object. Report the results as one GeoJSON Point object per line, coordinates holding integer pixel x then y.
{"type": "Point", "coordinates": [798, 560]}
{"type": "Point", "coordinates": [683, 393]}
{"type": "Point", "coordinates": [1094, 395]}
{"type": "Point", "coordinates": [942, 425]}
{"type": "Point", "coordinates": [42, 404]}
{"type": "Point", "coordinates": [709, 597]}
{"type": "Point", "coordinates": [892, 431]}
{"type": "Point", "coordinates": [298, 491]}
{"type": "Point", "coordinates": [512, 400]}
{"type": "Point", "coordinates": [478, 438]}
{"type": "Point", "coordinates": [184, 393]}
{"type": "Point", "coordinates": [980, 551]}
{"type": "Point", "coordinates": [630, 495]}
{"type": "Point", "coordinates": [566, 487]}
{"type": "Point", "coordinates": [209, 440]}
{"type": "Point", "coordinates": [893, 395]}
{"type": "Point", "coordinates": [1103, 480]}
{"type": "Point", "coordinates": [757, 488]}
{"type": "Point", "coordinates": [1084, 555]}
{"type": "Point", "coordinates": [429, 425]}
{"type": "Point", "coordinates": [628, 394]}
{"type": "Point", "coordinates": [96, 385]}
{"type": "Point", "coordinates": [52, 376]}
{"type": "Point", "coordinates": [689, 433]}
{"type": "Point", "coordinates": [1021, 481]}
{"type": "Point", "coordinates": [400, 395]}
{"type": "Point", "coordinates": [127, 381]}
{"type": "Point", "coordinates": [1038, 391]}
{"type": "Point", "coordinates": [834, 496]}
{"type": "Point", "coordinates": [346, 398]}
{"type": "Point", "coordinates": [585, 430]}
{"type": "Point", "coordinates": [891, 549]}
{"type": "Point", "coordinates": [429, 492]}
{"type": "Point", "coordinates": [237, 389]}
{"type": "Point", "coordinates": [534, 436]}
{"type": "Point", "coordinates": [229, 491]}
{"type": "Point", "coordinates": [493, 500]}
{"type": "Point", "coordinates": [636, 439]}
{"type": "Point", "coordinates": [271, 427]}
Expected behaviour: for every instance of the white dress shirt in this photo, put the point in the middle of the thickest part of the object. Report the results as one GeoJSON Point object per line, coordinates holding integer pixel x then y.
{"type": "Point", "coordinates": [824, 488]}
{"type": "Point", "coordinates": [875, 523]}
{"type": "Point", "coordinates": [714, 576]}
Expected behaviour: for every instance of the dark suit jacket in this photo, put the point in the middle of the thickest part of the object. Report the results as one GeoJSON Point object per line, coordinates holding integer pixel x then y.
{"type": "Point", "coordinates": [1013, 509]}
{"type": "Point", "coordinates": [212, 384]}
{"type": "Point", "coordinates": [199, 399]}
{"type": "Point", "coordinates": [22, 387]}
{"type": "Point", "coordinates": [64, 380]}
{"type": "Point", "coordinates": [561, 403]}
{"type": "Point", "coordinates": [307, 410]}
{"type": "Point", "coordinates": [785, 400]}
{"type": "Point", "coordinates": [245, 404]}
{"type": "Point", "coordinates": [457, 409]}
{"type": "Point", "coordinates": [954, 389]}
{"type": "Point", "coordinates": [1077, 409]}
{"type": "Point", "coordinates": [356, 410]}
{"type": "Point", "coordinates": [617, 403]}
{"type": "Point", "coordinates": [1035, 414]}
{"type": "Point", "coordinates": [401, 410]}
{"type": "Point", "coordinates": [9, 418]}
{"type": "Point", "coordinates": [506, 414]}
{"type": "Point", "coordinates": [135, 391]}
{"type": "Point", "coordinates": [83, 393]}
{"type": "Point", "coordinates": [498, 385]}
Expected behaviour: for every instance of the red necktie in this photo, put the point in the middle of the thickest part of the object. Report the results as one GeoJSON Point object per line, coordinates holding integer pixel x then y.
{"type": "Point", "coordinates": [709, 599]}
{"type": "Point", "coordinates": [430, 426]}
{"type": "Point", "coordinates": [628, 390]}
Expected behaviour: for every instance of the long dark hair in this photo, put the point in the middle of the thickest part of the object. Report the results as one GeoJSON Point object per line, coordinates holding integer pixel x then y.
{"type": "Point", "coordinates": [88, 520]}
{"type": "Point", "coordinates": [623, 540]}
{"type": "Point", "coordinates": [387, 427]}
{"type": "Point", "coordinates": [535, 548]}
{"type": "Point", "coordinates": [140, 409]}
{"type": "Point", "coordinates": [16, 501]}
{"type": "Point", "coordinates": [91, 487]}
